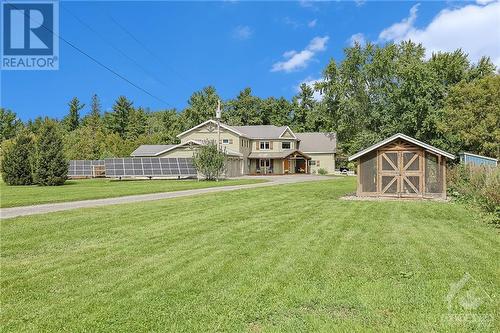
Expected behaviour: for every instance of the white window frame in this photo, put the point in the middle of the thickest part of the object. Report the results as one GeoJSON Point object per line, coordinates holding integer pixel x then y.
{"type": "Point", "coordinates": [225, 141]}
{"type": "Point", "coordinates": [312, 163]}
{"type": "Point", "coordinates": [263, 144]}
{"type": "Point", "coordinates": [289, 144]}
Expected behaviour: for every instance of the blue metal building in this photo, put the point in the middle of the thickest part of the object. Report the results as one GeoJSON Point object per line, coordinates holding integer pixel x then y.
{"type": "Point", "coordinates": [473, 159]}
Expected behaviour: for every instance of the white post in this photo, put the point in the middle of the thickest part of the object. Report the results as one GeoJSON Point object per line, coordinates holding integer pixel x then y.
{"type": "Point", "coordinates": [218, 116]}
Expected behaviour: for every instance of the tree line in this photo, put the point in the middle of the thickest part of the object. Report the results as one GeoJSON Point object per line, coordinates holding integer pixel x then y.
{"type": "Point", "coordinates": [374, 92]}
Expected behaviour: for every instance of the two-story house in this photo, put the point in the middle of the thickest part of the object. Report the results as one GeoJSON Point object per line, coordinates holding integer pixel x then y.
{"type": "Point", "coordinates": [261, 149]}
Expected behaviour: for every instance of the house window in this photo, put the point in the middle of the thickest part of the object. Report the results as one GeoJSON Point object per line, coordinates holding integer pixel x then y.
{"type": "Point", "coordinates": [265, 163]}
{"type": "Point", "coordinates": [312, 163]}
{"type": "Point", "coordinates": [264, 145]}
{"type": "Point", "coordinates": [286, 145]}
{"type": "Point", "coordinates": [227, 141]}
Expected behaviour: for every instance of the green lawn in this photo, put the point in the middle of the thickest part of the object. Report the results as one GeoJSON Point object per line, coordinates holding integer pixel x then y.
{"type": "Point", "coordinates": [11, 196]}
{"type": "Point", "coordinates": [289, 258]}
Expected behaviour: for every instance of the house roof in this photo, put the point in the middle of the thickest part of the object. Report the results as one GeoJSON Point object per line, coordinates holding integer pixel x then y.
{"type": "Point", "coordinates": [314, 142]}
{"type": "Point", "coordinates": [406, 138]}
{"type": "Point", "coordinates": [149, 150]}
{"type": "Point", "coordinates": [155, 150]}
{"type": "Point", "coordinates": [227, 127]}
{"type": "Point", "coordinates": [281, 154]}
{"type": "Point", "coordinates": [263, 131]}
{"type": "Point", "coordinates": [251, 132]}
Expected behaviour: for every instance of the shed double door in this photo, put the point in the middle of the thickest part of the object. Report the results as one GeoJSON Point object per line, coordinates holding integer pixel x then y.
{"type": "Point", "coordinates": [401, 172]}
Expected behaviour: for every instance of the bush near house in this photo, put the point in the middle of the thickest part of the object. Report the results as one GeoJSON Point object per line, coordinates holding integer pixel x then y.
{"type": "Point", "coordinates": [322, 171]}
{"type": "Point", "coordinates": [477, 185]}
{"type": "Point", "coordinates": [209, 161]}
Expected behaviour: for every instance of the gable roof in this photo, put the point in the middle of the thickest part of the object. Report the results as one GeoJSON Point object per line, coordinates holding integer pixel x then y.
{"type": "Point", "coordinates": [155, 150]}
{"type": "Point", "coordinates": [263, 131]}
{"type": "Point", "coordinates": [315, 142]}
{"type": "Point", "coordinates": [406, 138]}
{"type": "Point", "coordinates": [149, 150]}
{"type": "Point", "coordinates": [227, 127]}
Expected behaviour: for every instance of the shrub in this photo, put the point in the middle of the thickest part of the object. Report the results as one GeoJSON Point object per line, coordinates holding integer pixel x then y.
{"type": "Point", "coordinates": [209, 161]}
{"type": "Point", "coordinates": [322, 171]}
{"type": "Point", "coordinates": [17, 160]}
{"type": "Point", "coordinates": [50, 167]}
{"type": "Point", "coordinates": [477, 185]}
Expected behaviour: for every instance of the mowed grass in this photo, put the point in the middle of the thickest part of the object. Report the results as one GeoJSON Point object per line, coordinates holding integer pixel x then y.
{"type": "Point", "coordinates": [83, 189]}
{"type": "Point", "coordinates": [289, 258]}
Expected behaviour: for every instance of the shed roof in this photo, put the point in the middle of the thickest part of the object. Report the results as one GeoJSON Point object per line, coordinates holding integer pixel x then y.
{"type": "Point", "coordinates": [406, 138]}
{"type": "Point", "coordinates": [478, 156]}
{"type": "Point", "coordinates": [314, 142]}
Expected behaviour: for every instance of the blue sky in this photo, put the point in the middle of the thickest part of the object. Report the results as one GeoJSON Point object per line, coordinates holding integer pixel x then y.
{"type": "Point", "coordinates": [173, 49]}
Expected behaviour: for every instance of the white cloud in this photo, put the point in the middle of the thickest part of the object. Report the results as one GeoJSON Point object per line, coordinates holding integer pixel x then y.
{"type": "Point", "coordinates": [484, 2]}
{"type": "Point", "coordinates": [357, 38]}
{"type": "Point", "coordinates": [360, 3]}
{"type": "Point", "coordinates": [310, 82]}
{"type": "Point", "coordinates": [242, 32]}
{"type": "Point", "coordinates": [473, 28]}
{"type": "Point", "coordinates": [300, 59]}
{"type": "Point", "coordinates": [318, 44]}
{"type": "Point", "coordinates": [400, 29]}
{"type": "Point", "coordinates": [312, 24]}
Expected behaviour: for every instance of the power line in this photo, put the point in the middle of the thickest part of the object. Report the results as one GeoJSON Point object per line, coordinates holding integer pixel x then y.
{"type": "Point", "coordinates": [116, 48]}
{"type": "Point", "coordinates": [93, 59]}
{"type": "Point", "coordinates": [145, 47]}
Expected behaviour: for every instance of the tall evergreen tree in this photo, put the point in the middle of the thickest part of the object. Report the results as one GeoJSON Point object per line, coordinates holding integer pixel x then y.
{"type": "Point", "coordinates": [245, 109]}
{"type": "Point", "coordinates": [72, 120]}
{"type": "Point", "coordinates": [17, 160]}
{"type": "Point", "coordinates": [304, 106]}
{"type": "Point", "coordinates": [136, 124]}
{"type": "Point", "coordinates": [9, 124]}
{"type": "Point", "coordinates": [201, 107]}
{"type": "Point", "coordinates": [118, 119]}
{"type": "Point", "coordinates": [93, 119]}
{"type": "Point", "coordinates": [50, 165]}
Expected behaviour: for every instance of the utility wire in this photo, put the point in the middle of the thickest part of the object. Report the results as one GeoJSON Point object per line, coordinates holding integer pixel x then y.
{"type": "Point", "coordinates": [93, 59]}
{"type": "Point", "coordinates": [116, 48]}
{"type": "Point", "coordinates": [145, 47]}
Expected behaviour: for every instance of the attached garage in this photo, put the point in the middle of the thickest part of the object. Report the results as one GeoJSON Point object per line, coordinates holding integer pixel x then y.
{"type": "Point", "coordinates": [234, 163]}
{"type": "Point", "coordinates": [401, 166]}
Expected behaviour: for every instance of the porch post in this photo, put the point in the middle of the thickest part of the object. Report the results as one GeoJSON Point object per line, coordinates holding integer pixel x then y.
{"type": "Point", "coordinates": [306, 162]}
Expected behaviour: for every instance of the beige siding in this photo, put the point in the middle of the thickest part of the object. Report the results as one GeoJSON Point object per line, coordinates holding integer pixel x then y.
{"type": "Point", "coordinates": [179, 152]}
{"type": "Point", "coordinates": [204, 134]}
{"type": "Point", "coordinates": [326, 161]}
{"type": "Point", "coordinates": [277, 147]}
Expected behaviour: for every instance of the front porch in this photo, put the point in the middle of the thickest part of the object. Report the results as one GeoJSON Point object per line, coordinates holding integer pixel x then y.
{"type": "Point", "coordinates": [293, 163]}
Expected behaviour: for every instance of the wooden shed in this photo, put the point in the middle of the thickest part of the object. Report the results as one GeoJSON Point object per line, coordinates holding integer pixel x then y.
{"type": "Point", "coordinates": [401, 166]}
